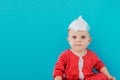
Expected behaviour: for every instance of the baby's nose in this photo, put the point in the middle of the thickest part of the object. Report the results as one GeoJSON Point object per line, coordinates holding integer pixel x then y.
{"type": "Point", "coordinates": [79, 40]}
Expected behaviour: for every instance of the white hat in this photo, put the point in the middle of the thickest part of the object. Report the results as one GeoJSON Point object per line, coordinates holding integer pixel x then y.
{"type": "Point", "coordinates": [79, 24]}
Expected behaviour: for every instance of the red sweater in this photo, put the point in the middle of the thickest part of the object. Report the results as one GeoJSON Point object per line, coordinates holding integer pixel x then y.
{"type": "Point", "coordinates": [67, 65]}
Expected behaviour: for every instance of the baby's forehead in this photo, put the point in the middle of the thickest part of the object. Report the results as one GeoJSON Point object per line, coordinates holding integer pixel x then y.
{"type": "Point", "coordinates": [78, 31]}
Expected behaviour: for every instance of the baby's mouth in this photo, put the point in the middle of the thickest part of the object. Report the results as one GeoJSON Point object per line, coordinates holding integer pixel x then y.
{"type": "Point", "coordinates": [78, 44]}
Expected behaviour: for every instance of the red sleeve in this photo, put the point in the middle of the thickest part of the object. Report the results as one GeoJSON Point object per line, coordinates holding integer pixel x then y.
{"type": "Point", "coordinates": [99, 63]}
{"type": "Point", "coordinates": [59, 68]}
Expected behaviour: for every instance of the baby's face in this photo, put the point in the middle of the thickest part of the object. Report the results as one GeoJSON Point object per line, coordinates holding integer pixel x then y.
{"type": "Point", "coordinates": [78, 40]}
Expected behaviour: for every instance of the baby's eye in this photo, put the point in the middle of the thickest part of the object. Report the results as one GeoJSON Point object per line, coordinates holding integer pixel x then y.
{"type": "Point", "coordinates": [74, 37]}
{"type": "Point", "coordinates": [83, 37]}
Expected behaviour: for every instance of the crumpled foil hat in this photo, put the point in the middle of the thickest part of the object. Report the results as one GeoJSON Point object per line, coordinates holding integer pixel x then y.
{"type": "Point", "coordinates": [79, 24]}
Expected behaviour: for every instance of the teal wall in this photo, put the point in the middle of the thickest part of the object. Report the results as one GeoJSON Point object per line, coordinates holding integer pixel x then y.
{"type": "Point", "coordinates": [33, 34]}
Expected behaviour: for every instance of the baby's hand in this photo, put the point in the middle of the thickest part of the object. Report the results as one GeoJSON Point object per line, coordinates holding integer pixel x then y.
{"type": "Point", "coordinates": [111, 77]}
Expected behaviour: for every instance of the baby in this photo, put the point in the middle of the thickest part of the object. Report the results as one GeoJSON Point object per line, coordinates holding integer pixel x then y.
{"type": "Point", "coordinates": [78, 62]}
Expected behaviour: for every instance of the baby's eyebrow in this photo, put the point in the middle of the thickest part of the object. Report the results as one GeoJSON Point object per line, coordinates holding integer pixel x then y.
{"type": "Point", "coordinates": [74, 36]}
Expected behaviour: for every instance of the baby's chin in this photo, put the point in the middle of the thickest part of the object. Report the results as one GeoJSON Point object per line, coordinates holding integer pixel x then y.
{"type": "Point", "coordinates": [79, 49]}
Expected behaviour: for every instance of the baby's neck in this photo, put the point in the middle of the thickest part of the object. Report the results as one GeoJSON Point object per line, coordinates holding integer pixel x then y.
{"type": "Point", "coordinates": [79, 53]}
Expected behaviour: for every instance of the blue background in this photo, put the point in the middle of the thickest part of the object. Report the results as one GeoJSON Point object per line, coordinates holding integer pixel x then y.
{"type": "Point", "coordinates": [33, 34]}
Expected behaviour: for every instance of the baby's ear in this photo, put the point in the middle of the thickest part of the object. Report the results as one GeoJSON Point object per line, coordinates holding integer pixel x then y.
{"type": "Point", "coordinates": [90, 39]}
{"type": "Point", "coordinates": [67, 39]}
